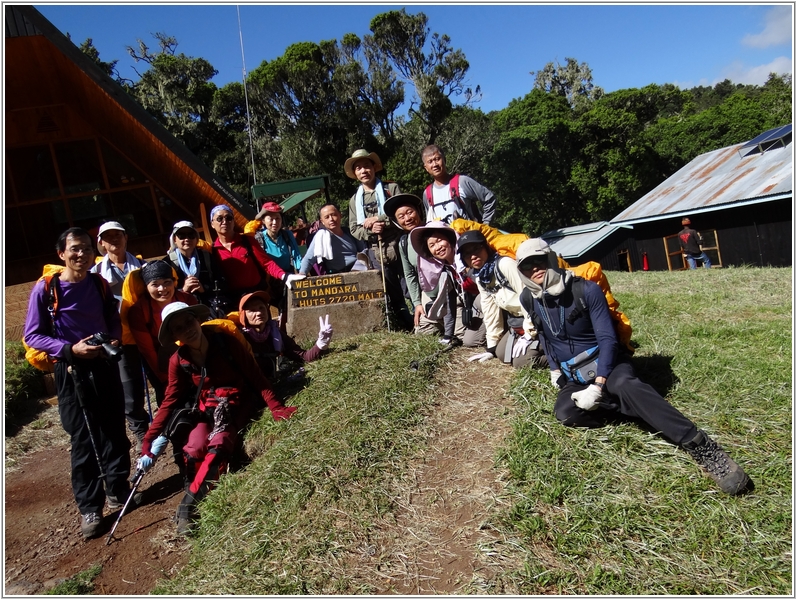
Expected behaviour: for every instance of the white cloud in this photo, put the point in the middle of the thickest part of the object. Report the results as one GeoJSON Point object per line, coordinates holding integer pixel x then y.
{"type": "Point", "coordinates": [777, 29]}
{"type": "Point", "coordinates": [737, 72]}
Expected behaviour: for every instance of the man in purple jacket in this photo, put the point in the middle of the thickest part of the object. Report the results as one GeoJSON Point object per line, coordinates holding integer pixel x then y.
{"type": "Point", "coordinates": [91, 400]}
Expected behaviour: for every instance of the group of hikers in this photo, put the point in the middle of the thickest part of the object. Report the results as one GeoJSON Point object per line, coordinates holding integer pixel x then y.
{"type": "Point", "coordinates": [206, 326]}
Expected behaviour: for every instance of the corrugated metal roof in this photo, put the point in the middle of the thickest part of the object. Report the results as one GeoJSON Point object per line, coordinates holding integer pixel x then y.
{"type": "Point", "coordinates": [719, 178]}
{"type": "Point", "coordinates": [573, 242]}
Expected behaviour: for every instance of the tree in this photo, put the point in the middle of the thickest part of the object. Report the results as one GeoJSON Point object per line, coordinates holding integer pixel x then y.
{"type": "Point", "coordinates": [176, 90]}
{"type": "Point", "coordinates": [571, 80]}
{"type": "Point", "coordinates": [529, 168]}
{"type": "Point", "coordinates": [436, 76]}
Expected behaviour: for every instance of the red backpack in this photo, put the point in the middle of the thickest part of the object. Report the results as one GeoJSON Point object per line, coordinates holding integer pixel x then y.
{"type": "Point", "coordinates": [453, 188]}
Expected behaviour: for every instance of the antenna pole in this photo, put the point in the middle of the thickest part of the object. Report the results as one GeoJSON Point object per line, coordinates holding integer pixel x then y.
{"type": "Point", "coordinates": [246, 97]}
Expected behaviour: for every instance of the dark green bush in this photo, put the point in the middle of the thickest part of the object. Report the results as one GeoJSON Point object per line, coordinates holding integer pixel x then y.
{"type": "Point", "coordinates": [24, 383]}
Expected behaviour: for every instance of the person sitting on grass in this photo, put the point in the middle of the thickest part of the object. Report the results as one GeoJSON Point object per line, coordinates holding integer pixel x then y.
{"type": "Point", "coordinates": [510, 336]}
{"type": "Point", "coordinates": [434, 244]}
{"type": "Point", "coordinates": [276, 352]}
{"type": "Point", "coordinates": [594, 377]}
{"type": "Point", "coordinates": [222, 378]}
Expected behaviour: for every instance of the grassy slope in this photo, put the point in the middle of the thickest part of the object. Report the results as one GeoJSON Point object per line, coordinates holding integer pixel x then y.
{"type": "Point", "coordinates": [619, 511]}
{"type": "Point", "coordinates": [609, 511]}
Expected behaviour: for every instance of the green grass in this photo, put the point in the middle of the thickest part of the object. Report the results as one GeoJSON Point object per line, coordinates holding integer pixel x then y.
{"type": "Point", "coordinates": [615, 510]}
{"type": "Point", "coordinates": [81, 584]}
{"type": "Point", "coordinates": [23, 382]}
{"type": "Point", "coordinates": [318, 481]}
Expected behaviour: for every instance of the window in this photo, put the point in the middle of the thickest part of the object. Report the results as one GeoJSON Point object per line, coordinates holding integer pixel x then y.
{"type": "Point", "coordinates": [79, 166]}
{"type": "Point", "coordinates": [33, 173]}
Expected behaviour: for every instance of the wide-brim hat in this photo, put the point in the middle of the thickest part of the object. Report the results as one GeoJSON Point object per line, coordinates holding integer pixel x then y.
{"type": "Point", "coordinates": [419, 235]}
{"type": "Point", "coordinates": [393, 203]}
{"type": "Point", "coordinates": [108, 226]}
{"type": "Point", "coordinates": [358, 154]}
{"type": "Point", "coordinates": [200, 311]}
{"type": "Point", "coordinates": [268, 207]}
{"type": "Point", "coordinates": [264, 296]}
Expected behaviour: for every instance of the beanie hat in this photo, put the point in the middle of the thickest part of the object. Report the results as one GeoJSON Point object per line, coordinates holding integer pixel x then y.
{"type": "Point", "coordinates": [156, 270]}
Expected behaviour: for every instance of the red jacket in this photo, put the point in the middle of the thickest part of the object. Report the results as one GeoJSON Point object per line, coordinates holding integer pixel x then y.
{"type": "Point", "coordinates": [185, 376]}
{"type": "Point", "coordinates": [243, 267]}
{"type": "Point", "coordinates": [144, 319]}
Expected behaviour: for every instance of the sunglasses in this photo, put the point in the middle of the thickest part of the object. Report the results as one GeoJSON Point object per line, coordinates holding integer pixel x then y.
{"type": "Point", "coordinates": [534, 261]}
{"type": "Point", "coordinates": [186, 234]}
{"type": "Point", "coordinates": [228, 218]}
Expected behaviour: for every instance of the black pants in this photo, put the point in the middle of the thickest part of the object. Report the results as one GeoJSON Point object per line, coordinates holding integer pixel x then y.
{"type": "Point", "coordinates": [626, 394]}
{"type": "Point", "coordinates": [132, 376]}
{"type": "Point", "coordinates": [395, 295]}
{"type": "Point", "coordinates": [104, 401]}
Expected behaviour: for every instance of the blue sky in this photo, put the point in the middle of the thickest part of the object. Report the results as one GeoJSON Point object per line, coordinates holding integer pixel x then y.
{"type": "Point", "coordinates": [625, 45]}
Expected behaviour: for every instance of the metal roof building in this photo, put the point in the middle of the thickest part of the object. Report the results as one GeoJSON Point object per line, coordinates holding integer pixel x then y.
{"type": "Point", "coordinates": [738, 197]}
{"type": "Point", "coordinates": [744, 174]}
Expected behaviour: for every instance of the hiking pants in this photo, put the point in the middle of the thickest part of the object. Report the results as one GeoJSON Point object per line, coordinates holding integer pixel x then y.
{"type": "Point", "coordinates": [626, 394]}
{"type": "Point", "coordinates": [105, 410]}
{"type": "Point", "coordinates": [132, 376]}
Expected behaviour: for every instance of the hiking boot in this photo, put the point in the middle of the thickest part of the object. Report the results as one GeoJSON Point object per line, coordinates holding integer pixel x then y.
{"type": "Point", "coordinates": [91, 525]}
{"type": "Point", "coordinates": [139, 440]}
{"type": "Point", "coordinates": [115, 503]}
{"type": "Point", "coordinates": [186, 515]}
{"type": "Point", "coordinates": [730, 477]}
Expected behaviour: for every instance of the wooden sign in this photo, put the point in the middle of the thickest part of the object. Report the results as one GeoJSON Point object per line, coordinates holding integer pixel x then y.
{"type": "Point", "coordinates": [327, 290]}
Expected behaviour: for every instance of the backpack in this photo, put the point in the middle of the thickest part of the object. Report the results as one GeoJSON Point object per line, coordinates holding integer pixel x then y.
{"type": "Point", "coordinates": [453, 189]}
{"type": "Point", "coordinates": [506, 244]}
{"type": "Point", "coordinates": [51, 275]}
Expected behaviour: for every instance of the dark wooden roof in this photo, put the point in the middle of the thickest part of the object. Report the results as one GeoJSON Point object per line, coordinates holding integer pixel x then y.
{"type": "Point", "coordinates": [44, 68]}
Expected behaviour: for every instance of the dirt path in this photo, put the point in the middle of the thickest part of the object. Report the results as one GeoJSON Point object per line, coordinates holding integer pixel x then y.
{"type": "Point", "coordinates": [440, 542]}
{"type": "Point", "coordinates": [443, 540]}
{"type": "Point", "coordinates": [43, 544]}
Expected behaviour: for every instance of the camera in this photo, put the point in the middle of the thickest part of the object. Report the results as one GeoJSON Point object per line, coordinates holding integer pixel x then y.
{"type": "Point", "coordinates": [103, 339]}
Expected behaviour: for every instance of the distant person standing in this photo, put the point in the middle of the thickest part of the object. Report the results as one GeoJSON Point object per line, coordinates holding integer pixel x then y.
{"type": "Point", "coordinates": [691, 241]}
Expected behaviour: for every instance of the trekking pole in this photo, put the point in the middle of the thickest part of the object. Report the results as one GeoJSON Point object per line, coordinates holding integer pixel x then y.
{"type": "Point", "coordinates": [81, 400]}
{"type": "Point", "coordinates": [146, 391]}
{"type": "Point", "coordinates": [384, 284]}
{"type": "Point", "coordinates": [416, 364]}
{"type": "Point", "coordinates": [157, 447]}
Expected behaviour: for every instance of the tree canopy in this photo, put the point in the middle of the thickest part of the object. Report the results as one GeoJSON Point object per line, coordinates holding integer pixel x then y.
{"type": "Point", "coordinates": [565, 154]}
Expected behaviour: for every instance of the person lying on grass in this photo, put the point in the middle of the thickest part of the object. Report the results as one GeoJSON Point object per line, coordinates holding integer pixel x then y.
{"type": "Point", "coordinates": [221, 377]}
{"type": "Point", "coordinates": [276, 352]}
{"type": "Point", "coordinates": [593, 375]}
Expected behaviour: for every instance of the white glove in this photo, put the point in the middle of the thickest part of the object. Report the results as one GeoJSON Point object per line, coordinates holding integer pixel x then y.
{"type": "Point", "coordinates": [293, 277]}
{"type": "Point", "coordinates": [483, 357]}
{"type": "Point", "coordinates": [589, 398]}
{"type": "Point", "coordinates": [144, 463]}
{"type": "Point", "coordinates": [324, 332]}
{"type": "Point", "coordinates": [555, 375]}
{"type": "Point", "coordinates": [521, 345]}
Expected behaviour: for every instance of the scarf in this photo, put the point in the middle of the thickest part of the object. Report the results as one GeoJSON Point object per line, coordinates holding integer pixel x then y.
{"type": "Point", "coordinates": [189, 268]}
{"type": "Point", "coordinates": [379, 190]}
{"type": "Point", "coordinates": [556, 281]}
{"type": "Point", "coordinates": [487, 272]}
{"type": "Point", "coordinates": [270, 333]}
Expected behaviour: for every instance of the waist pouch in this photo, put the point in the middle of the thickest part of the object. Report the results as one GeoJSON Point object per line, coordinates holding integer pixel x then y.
{"type": "Point", "coordinates": [582, 368]}
{"type": "Point", "coordinates": [210, 398]}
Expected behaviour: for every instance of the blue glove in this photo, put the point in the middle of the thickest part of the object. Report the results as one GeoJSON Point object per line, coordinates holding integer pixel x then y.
{"type": "Point", "coordinates": [158, 445]}
{"type": "Point", "coordinates": [144, 463]}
